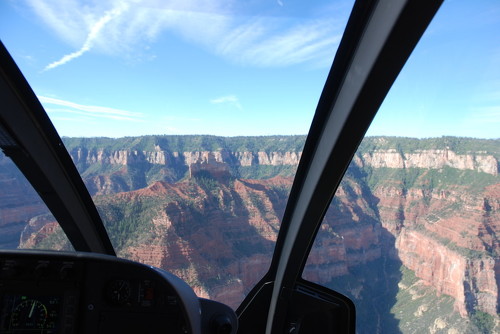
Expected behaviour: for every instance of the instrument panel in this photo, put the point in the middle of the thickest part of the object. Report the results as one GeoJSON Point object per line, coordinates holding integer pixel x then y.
{"type": "Point", "coordinates": [54, 292]}
{"type": "Point", "coordinates": [30, 313]}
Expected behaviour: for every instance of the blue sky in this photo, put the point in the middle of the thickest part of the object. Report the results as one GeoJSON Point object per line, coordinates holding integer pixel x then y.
{"type": "Point", "coordinates": [126, 68]}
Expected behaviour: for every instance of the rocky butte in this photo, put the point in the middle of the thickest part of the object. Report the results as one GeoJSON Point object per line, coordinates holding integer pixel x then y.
{"type": "Point", "coordinates": [209, 209]}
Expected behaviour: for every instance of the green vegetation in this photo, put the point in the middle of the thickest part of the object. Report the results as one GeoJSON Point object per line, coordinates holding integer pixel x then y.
{"type": "Point", "coordinates": [258, 172]}
{"type": "Point", "coordinates": [206, 181]}
{"type": "Point", "coordinates": [257, 202]}
{"type": "Point", "coordinates": [98, 169]}
{"type": "Point", "coordinates": [420, 310]}
{"type": "Point", "coordinates": [139, 174]}
{"type": "Point", "coordinates": [281, 191]}
{"type": "Point", "coordinates": [190, 143]}
{"type": "Point", "coordinates": [125, 221]}
{"type": "Point", "coordinates": [445, 177]}
{"type": "Point", "coordinates": [135, 174]}
{"type": "Point", "coordinates": [390, 297]}
{"type": "Point", "coordinates": [466, 252]}
{"type": "Point", "coordinates": [429, 179]}
{"type": "Point", "coordinates": [483, 321]}
{"type": "Point", "coordinates": [387, 294]}
{"type": "Point", "coordinates": [56, 240]}
{"type": "Point", "coordinates": [459, 145]}
{"type": "Point", "coordinates": [377, 176]}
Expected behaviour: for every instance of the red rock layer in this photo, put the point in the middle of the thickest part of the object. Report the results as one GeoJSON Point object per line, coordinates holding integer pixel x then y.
{"type": "Point", "coordinates": [450, 240]}
{"type": "Point", "coordinates": [220, 239]}
{"type": "Point", "coordinates": [221, 242]}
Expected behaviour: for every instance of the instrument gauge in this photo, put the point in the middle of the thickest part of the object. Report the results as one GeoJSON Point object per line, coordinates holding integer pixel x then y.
{"type": "Point", "coordinates": [118, 292]}
{"type": "Point", "coordinates": [29, 314]}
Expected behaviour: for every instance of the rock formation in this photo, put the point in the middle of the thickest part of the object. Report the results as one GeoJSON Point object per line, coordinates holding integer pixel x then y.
{"type": "Point", "coordinates": [432, 204]}
{"type": "Point", "coordinates": [430, 159]}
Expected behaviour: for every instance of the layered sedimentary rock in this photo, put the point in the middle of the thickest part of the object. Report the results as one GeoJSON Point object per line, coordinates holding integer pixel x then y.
{"type": "Point", "coordinates": [220, 237]}
{"type": "Point", "coordinates": [450, 241]}
{"type": "Point", "coordinates": [127, 157]}
{"type": "Point", "coordinates": [433, 208]}
{"type": "Point", "coordinates": [217, 237]}
{"type": "Point", "coordinates": [431, 159]}
{"type": "Point", "coordinates": [126, 170]}
{"type": "Point", "coordinates": [38, 230]}
{"type": "Point", "coordinates": [350, 235]}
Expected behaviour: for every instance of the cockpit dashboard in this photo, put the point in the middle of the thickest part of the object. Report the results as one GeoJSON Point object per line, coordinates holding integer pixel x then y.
{"type": "Point", "coordinates": [52, 292]}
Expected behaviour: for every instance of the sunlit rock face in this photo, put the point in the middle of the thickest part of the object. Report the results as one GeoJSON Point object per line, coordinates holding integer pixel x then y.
{"type": "Point", "coordinates": [107, 172]}
{"type": "Point", "coordinates": [430, 159]}
{"type": "Point", "coordinates": [218, 237]}
{"type": "Point", "coordinates": [431, 204]}
{"type": "Point", "coordinates": [448, 237]}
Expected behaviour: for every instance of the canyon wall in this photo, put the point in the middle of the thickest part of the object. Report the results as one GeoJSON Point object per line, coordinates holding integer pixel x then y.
{"type": "Point", "coordinates": [429, 159]}
{"type": "Point", "coordinates": [432, 205]}
{"type": "Point", "coordinates": [448, 236]}
{"type": "Point", "coordinates": [18, 203]}
{"type": "Point", "coordinates": [127, 164]}
{"type": "Point", "coordinates": [217, 237]}
{"type": "Point", "coordinates": [165, 158]}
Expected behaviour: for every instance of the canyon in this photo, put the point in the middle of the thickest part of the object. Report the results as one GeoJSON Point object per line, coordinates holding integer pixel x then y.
{"type": "Point", "coordinates": [209, 209]}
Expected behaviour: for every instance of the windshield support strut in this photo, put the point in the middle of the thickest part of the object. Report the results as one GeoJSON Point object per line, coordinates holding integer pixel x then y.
{"type": "Point", "coordinates": [379, 38]}
{"type": "Point", "coordinates": [28, 137]}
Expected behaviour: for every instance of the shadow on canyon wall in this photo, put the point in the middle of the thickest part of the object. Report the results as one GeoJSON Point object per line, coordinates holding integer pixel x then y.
{"type": "Point", "coordinates": [373, 266]}
{"type": "Point", "coordinates": [373, 287]}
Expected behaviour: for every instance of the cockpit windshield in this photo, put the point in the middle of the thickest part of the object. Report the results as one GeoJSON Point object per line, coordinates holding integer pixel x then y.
{"type": "Point", "coordinates": [185, 120]}
{"type": "Point", "coordinates": [25, 220]}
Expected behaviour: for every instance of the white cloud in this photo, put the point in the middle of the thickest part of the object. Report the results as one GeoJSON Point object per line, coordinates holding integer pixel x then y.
{"type": "Point", "coordinates": [95, 29]}
{"type": "Point", "coordinates": [298, 44]}
{"type": "Point", "coordinates": [88, 110]}
{"type": "Point", "coordinates": [231, 100]}
{"type": "Point", "coordinates": [124, 27]}
{"type": "Point", "coordinates": [67, 19]}
{"type": "Point", "coordinates": [59, 118]}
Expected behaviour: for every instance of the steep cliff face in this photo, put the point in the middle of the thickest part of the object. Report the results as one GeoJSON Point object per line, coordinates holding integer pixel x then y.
{"type": "Point", "coordinates": [350, 235]}
{"type": "Point", "coordinates": [125, 164]}
{"type": "Point", "coordinates": [448, 236]}
{"type": "Point", "coordinates": [431, 159]}
{"type": "Point", "coordinates": [218, 237]}
{"type": "Point", "coordinates": [430, 205]}
{"type": "Point", "coordinates": [125, 170]}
